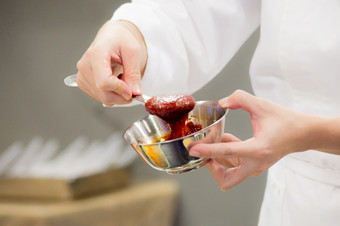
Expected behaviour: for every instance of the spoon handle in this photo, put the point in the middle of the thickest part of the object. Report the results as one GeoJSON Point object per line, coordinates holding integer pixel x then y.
{"type": "Point", "coordinates": [71, 81]}
{"type": "Point", "coordinates": [141, 98]}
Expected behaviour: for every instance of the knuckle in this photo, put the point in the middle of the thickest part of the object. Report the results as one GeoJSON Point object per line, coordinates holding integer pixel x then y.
{"type": "Point", "coordinates": [104, 85]}
{"type": "Point", "coordinates": [101, 85]}
{"type": "Point", "coordinates": [237, 95]}
{"type": "Point", "coordinates": [133, 50]}
{"type": "Point", "coordinates": [91, 51]}
{"type": "Point", "coordinates": [132, 46]}
{"type": "Point", "coordinates": [94, 51]}
{"type": "Point", "coordinates": [239, 92]}
{"type": "Point", "coordinates": [226, 153]}
{"type": "Point", "coordinates": [134, 75]}
{"type": "Point", "coordinates": [262, 150]}
{"type": "Point", "coordinates": [80, 65]}
{"type": "Point", "coordinates": [118, 88]}
{"type": "Point", "coordinates": [224, 186]}
{"type": "Point", "coordinates": [261, 155]}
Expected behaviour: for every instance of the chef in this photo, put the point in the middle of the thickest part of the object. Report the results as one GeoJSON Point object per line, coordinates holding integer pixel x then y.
{"type": "Point", "coordinates": [168, 47]}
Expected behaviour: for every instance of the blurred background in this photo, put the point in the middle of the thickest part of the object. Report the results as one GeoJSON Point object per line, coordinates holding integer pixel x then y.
{"type": "Point", "coordinates": [40, 44]}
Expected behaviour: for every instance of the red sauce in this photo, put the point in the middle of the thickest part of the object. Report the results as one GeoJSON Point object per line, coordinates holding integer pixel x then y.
{"type": "Point", "coordinates": [174, 110]}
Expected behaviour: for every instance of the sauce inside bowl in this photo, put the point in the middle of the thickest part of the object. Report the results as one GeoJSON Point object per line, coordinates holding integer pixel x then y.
{"type": "Point", "coordinates": [174, 109]}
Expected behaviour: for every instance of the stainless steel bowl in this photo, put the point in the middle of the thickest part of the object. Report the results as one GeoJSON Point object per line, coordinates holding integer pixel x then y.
{"type": "Point", "coordinates": [172, 156]}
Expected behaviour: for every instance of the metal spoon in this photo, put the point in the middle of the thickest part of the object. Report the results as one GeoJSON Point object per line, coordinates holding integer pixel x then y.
{"type": "Point", "coordinates": [71, 81]}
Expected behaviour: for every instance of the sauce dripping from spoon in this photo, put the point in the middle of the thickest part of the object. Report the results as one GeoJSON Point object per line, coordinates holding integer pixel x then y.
{"type": "Point", "coordinates": [174, 109]}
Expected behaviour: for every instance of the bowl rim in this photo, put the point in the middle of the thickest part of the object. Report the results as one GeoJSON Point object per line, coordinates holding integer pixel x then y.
{"type": "Point", "coordinates": [180, 138]}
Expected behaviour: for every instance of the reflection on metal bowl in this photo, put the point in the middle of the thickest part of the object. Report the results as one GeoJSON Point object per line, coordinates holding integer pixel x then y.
{"type": "Point", "coordinates": [172, 156]}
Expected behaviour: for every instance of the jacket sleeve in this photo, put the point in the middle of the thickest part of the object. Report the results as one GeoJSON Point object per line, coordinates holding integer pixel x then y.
{"type": "Point", "coordinates": [189, 41]}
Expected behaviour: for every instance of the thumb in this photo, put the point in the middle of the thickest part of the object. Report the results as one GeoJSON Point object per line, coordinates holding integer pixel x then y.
{"type": "Point", "coordinates": [238, 99]}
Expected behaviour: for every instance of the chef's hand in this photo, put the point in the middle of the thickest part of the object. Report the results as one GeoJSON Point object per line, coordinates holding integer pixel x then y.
{"type": "Point", "coordinates": [118, 50]}
{"type": "Point", "coordinates": [276, 133]}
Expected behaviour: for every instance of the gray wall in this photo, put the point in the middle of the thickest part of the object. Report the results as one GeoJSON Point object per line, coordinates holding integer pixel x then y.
{"type": "Point", "coordinates": [40, 43]}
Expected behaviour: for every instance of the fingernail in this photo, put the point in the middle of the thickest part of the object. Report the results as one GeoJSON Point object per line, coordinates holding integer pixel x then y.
{"type": "Point", "coordinates": [223, 102]}
{"type": "Point", "coordinates": [126, 96]}
{"type": "Point", "coordinates": [137, 89]}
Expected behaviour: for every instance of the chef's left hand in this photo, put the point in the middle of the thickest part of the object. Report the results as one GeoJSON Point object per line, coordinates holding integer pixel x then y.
{"type": "Point", "coordinates": [276, 133]}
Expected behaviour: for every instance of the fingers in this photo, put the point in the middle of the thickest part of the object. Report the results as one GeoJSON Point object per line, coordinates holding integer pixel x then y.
{"type": "Point", "coordinates": [228, 162]}
{"type": "Point", "coordinates": [229, 178]}
{"type": "Point", "coordinates": [227, 137]}
{"type": "Point", "coordinates": [239, 99]}
{"type": "Point", "coordinates": [106, 78]}
{"type": "Point", "coordinates": [228, 153]}
{"type": "Point", "coordinates": [96, 76]}
{"type": "Point", "coordinates": [108, 98]}
{"type": "Point", "coordinates": [134, 58]}
{"type": "Point", "coordinates": [221, 150]}
{"type": "Point", "coordinates": [132, 72]}
{"type": "Point", "coordinates": [98, 80]}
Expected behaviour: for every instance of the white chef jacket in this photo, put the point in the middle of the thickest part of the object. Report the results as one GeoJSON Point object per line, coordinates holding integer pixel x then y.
{"type": "Point", "coordinates": [296, 64]}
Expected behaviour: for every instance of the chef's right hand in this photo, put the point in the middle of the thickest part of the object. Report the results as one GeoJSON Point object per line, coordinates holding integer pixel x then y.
{"type": "Point", "coordinates": [118, 50]}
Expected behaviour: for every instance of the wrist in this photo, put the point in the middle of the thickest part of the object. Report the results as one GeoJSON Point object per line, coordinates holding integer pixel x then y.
{"type": "Point", "coordinates": [321, 133]}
